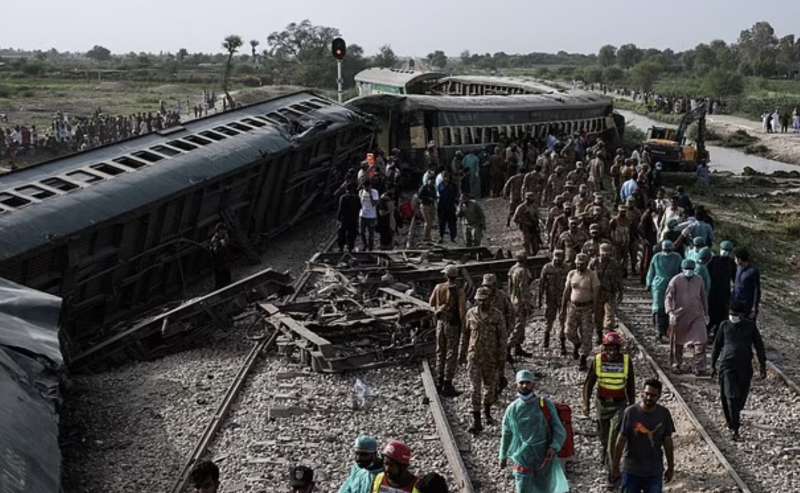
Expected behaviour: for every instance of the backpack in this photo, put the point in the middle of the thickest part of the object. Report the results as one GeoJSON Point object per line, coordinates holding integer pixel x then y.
{"type": "Point", "coordinates": [565, 415]}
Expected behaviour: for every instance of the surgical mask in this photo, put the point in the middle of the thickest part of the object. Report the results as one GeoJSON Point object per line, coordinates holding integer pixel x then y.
{"type": "Point", "coordinates": [688, 273]}
{"type": "Point", "coordinates": [734, 318]}
{"type": "Point", "coordinates": [526, 398]}
{"type": "Point", "coordinates": [724, 253]}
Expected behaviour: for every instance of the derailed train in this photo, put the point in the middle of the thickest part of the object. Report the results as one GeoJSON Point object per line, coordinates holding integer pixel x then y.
{"type": "Point", "coordinates": [121, 228]}
{"type": "Point", "coordinates": [124, 227]}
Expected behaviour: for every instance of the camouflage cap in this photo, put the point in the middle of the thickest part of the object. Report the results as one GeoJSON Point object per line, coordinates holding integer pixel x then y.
{"type": "Point", "coordinates": [450, 271]}
{"type": "Point", "coordinates": [726, 246]}
{"type": "Point", "coordinates": [581, 258]}
{"type": "Point", "coordinates": [573, 220]}
{"type": "Point", "coordinates": [606, 248]}
{"type": "Point", "coordinates": [489, 280]}
{"type": "Point", "coordinates": [699, 241]}
{"type": "Point", "coordinates": [482, 293]}
{"type": "Point", "coordinates": [520, 255]}
{"type": "Point", "coordinates": [558, 252]}
{"type": "Point", "coordinates": [594, 227]}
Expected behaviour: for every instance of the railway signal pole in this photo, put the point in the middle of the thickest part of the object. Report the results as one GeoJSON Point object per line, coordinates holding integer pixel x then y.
{"type": "Point", "coordinates": [339, 50]}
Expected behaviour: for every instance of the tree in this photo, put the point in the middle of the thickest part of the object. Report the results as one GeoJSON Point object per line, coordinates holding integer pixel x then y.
{"type": "Point", "coordinates": [758, 47]}
{"type": "Point", "coordinates": [628, 55]}
{"type": "Point", "coordinates": [644, 74]}
{"type": "Point", "coordinates": [182, 54]}
{"type": "Point", "coordinates": [465, 57]}
{"type": "Point", "coordinates": [613, 75]}
{"type": "Point", "coordinates": [385, 57]}
{"type": "Point", "coordinates": [592, 74]}
{"type": "Point", "coordinates": [253, 45]}
{"type": "Point", "coordinates": [722, 83]}
{"type": "Point", "coordinates": [99, 53]}
{"type": "Point", "coordinates": [437, 59]}
{"type": "Point", "coordinates": [231, 44]}
{"type": "Point", "coordinates": [704, 58]}
{"type": "Point", "coordinates": [607, 56]}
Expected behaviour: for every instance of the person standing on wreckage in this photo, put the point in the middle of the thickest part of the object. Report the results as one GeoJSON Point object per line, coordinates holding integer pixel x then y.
{"type": "Point", "coordinates": [449, 305]}
{"type": "Point", "coordinates": [531, 443]}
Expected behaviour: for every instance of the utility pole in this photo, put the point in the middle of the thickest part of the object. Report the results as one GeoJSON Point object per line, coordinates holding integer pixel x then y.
{"type": "Point", "coordinates": [339, 50]}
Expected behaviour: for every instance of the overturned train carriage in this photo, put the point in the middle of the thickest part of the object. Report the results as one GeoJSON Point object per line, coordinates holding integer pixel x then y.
{"type": "Point", "coordinates": [454, 123]}
{"type": "Point", "coordinates": [117, 229]}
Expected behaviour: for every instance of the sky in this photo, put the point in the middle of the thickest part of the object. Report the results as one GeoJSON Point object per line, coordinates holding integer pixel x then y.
{"type": "Point", "coordinates": [411, 27]}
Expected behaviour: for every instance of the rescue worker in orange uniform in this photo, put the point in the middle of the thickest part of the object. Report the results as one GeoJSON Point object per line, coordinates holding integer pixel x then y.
{"type": "Point", "coordinates": [396, 477]}
{"type": "Point", "coordinates": [612, 371]}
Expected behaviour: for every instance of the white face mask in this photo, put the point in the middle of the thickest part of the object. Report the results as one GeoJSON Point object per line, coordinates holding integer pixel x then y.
{"type": "Point", "coordinates": [734, 318]}
{"type": "Point", "coordinates": [688, 273]}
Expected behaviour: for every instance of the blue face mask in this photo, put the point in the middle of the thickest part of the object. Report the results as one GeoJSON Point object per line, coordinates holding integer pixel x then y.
{"type": "Point", "coordinates": [688, 273]}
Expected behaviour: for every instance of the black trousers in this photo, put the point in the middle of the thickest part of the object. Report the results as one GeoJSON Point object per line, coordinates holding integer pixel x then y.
{"type": "Point", "coordinates": [346, 236]}
{"type": "Point", "coordinates": [447, 220]}
{"type": "Point", "coordinates": [661, 322]}
{"type": "Point", "coordinates": [734, 386]}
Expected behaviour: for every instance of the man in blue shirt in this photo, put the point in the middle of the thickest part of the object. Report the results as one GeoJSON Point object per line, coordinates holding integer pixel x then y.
{"type": "Point", "coordinates": [629, 188]}
{"type": "Point", "coordinates": [747, 287]}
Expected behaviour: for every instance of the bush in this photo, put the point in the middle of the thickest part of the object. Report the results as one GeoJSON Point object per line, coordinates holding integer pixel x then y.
{"type": "Point", "coordinates": [632, 138]}
{"type": "Point", "coordinates": [6, 92]}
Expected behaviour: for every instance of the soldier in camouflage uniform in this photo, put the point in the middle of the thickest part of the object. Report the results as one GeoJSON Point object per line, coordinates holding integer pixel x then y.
{"type": "Point", "coordinates": [634, 216]}
{"type": "Point", "coordinates": [572, 240]}
{"type": "Point", "coordinates": [581, 293]}
{"type": "Point", "coordinates": [555, 185]}
{"type": "Point", "coordinates": [596, 172]}
{"type": "Point", "coordinates": [473, 218]}
{"type": "Point", "coordinates": [448, 301]}
{"type": "Point", "coordinates": [512, 191]}
{"type": "Point", "coordinates": [552, 213]}
{"type": "Point", "coordinates": [609, 273]}
{"type": "Point", "coordinates": [482, 349]}
{"type": "Point", "coordinates": [527, 218]}
{"type": "Point", "coordinates": [551, 287]}
{"type": "Point", "coordinates": [519, 290]}
{"type": "Point", "coordinates": [577, 175]}
{"type": "Point", "coordinates": [502, 303]}
{"type": "Point", "coordinates": [620, 234]}
{"type": "Point", "coordinates": [560, 223]}
{"type": "Point", "coordinates": [582, 199]}
{"type": "Point", "coordinates": [533, 182]}
{"type": "Point", "coordinates": [594, 241]}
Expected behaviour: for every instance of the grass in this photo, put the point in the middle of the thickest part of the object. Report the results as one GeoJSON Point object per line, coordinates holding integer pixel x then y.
{"type": "Point", "coordinates": [626, 104]}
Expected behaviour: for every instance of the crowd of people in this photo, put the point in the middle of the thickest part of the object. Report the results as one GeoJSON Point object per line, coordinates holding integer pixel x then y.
{"type": "Point", "coordinates": [780, 121]}
{"type": "Point", "coordinates": [608, 218]}
{"type": "Point", "coordinates": [76, 133]}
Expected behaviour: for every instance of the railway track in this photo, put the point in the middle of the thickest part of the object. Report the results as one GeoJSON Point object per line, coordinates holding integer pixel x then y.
{"type": "Point", "coordinates": [770, 426]}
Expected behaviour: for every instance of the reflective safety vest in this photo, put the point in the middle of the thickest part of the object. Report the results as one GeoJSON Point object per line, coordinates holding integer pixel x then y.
{"type": "Point", "coordinates": [612, 376]}
{"type": "Point", "coordinates": [381, 485]}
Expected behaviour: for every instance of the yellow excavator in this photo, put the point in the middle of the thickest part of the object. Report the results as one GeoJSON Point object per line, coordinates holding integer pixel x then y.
{"type": "Point", "coordinates": [668, 145]}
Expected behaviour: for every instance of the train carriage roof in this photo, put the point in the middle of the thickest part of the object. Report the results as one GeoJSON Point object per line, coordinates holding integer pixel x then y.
{"type": "Point", "coordinates": [57, 216]}
{"type": "Point", "coordinates": [394, 77]}
{"type": "Point", "coordinates": [526, 102]}
{"type": "Point", "coordinates": [530, 86]}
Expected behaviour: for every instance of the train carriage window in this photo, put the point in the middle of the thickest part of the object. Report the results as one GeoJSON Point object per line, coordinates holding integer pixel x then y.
{"type": "Point", "coordinates": [299, 108]}
{"type": "Point", "coordinates": [322, 102]}
{"type": "Point", "coordinates": [84, 176]}
{"type": "Point", "coordinates": [129, 162]}
{"type": "Point", "coordinates": [59, 184]}
{"type": "Point", "coordinates": [147, 156]}
{"type": "Point", "coordinates": [108, 169]}
{"type": "Point", "coordinates": [456, 135]}
{"type": "Point", "coordinates": [289, 112]}
{"type": "Point", "coordinates": [278, 117]}
{"type": "Point", "coordinates": [194, 139]}
{"type": "Point", "coordinates": [167, 151]}
{"type": "Point", "coordinates": [312, 105]}
{"type": "Point", "coordinates": [34, 191]}
{"type": "Point", "coordinates": [253, 122]}
{"type": "Point", "coordinates": [180, 144]}
{"type": "Point", "coordinates": [212, 135]}
{"type": "Point", "coordinates": [12, 200]}
{"type": "Point", "coordinates": [444, 136]}
{"type": "Point", "coordinates": [240, 126]}
{"type": "Point", "coordinates": [495, 134]}
{"type": "Point", "coordinates": [227, 131]}
{"type": "Point", "coordinates": [468, 138]}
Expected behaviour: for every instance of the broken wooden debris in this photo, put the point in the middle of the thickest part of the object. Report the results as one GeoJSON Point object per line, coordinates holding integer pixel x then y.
{"type": "Point", "coordinates": [169, 330]}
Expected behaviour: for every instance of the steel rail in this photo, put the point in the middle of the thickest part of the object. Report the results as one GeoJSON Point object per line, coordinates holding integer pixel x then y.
{"type": "Point", "coordinates": [451, 451]}
{"type": "Point", "coordinates": [662, 375]}
{"type": "Point", "coordinates": [786, 379]}
{"type": "Point", "coordinates": [214, 425]}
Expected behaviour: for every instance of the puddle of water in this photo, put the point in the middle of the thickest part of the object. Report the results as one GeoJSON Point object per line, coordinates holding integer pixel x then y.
{"type": "Point", "coordinates": [722, 158]}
